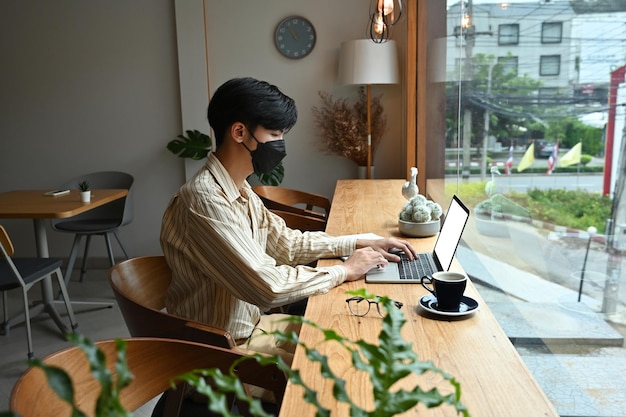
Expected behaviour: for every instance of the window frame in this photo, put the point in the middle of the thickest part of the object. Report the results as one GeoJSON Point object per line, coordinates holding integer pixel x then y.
{"type": "Point", "coordinates": [547, 38]}
{"type": "Point", "coordinates": [542, 64]}
{"type": "Point", "coordinates": [501, 35]}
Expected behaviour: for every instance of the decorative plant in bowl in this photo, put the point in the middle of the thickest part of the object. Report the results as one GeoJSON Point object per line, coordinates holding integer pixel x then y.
{"type": "Point", "coordinates": [85, 191]}
{"type": "Point", "coordinates": [420, 217]}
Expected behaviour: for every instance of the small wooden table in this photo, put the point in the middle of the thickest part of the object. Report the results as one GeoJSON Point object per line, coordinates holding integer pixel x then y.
{"type": "Point", "coordinates": [495, 382]}
{"type": "Point", "coordinates": [34, 204]}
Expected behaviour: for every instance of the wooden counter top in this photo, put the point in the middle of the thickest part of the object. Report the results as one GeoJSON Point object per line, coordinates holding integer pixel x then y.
{"type": "Point", "coordinates": [495, 382]}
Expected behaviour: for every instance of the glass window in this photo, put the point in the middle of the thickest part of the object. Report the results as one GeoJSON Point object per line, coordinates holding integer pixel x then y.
{"type": "Point", "coordinates": [549, 65]}
{"type": "Point", "coordinates": [508, 34]}
{"type": "Point", "coordinates": [551, 32]}
{"type": "Point", "coordinates": [529, 139]}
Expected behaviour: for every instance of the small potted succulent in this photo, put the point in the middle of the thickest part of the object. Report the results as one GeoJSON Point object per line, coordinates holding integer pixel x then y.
{"type": "Point", "coordinates": [420, 217]}
{"type": "Point", "coordinates": [85, 191]}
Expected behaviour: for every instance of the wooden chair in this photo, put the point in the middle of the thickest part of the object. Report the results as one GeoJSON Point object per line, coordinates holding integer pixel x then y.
{"type": "Point", "coordinates": [295, 201]}
{"type": "Point", "coordinates": [23, 273]}
{"type": "Point", "coordinates": [153, 362]}
{"type": "Point", "coordinates": [140, 285]}
{"type": "Point", "coordinates": [301, 222]}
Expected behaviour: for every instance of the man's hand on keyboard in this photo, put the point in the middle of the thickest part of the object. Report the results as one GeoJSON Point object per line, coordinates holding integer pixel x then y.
{"type": "Point", "coordinates": [387, 247]}
{"type": "Point", "coordinates": [361, 261]}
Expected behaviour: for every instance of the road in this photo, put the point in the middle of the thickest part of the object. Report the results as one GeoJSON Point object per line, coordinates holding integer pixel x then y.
{"type": "Point", "coordinates": [524, 182]}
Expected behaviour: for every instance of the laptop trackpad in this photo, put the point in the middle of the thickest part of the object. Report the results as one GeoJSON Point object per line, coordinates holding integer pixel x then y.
{"type": "Point", "coordinates": [387, 274]}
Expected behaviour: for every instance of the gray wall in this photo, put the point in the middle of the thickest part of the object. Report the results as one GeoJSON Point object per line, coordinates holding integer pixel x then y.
{"type": "Point", "coordinates": [89, 86]}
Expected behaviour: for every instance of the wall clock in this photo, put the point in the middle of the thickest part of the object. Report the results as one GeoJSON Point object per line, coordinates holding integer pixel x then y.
{"type": "Point", "coordinates": [295, 37]}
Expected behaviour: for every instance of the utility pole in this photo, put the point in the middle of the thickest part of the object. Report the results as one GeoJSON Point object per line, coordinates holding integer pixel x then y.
{"type": "Point", "coordinates": [467, 28]}
{"type": "Point", "coordinates": [483, 165]}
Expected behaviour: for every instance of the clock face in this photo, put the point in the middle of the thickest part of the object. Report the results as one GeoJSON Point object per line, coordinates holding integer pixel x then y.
{"type": "Point", "coordinates": [295, 37]}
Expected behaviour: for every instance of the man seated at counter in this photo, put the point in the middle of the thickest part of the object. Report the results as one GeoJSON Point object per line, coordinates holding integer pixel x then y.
{"type": "Point", "coordinates": [231, 258]}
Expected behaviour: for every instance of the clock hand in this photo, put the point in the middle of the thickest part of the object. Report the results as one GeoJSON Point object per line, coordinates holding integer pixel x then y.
{"type": "Point", "coordinates": [292, 32]}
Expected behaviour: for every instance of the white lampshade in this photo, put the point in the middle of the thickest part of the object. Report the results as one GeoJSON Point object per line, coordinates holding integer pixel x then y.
{"type": "Point", "coordinates": [362, 61]}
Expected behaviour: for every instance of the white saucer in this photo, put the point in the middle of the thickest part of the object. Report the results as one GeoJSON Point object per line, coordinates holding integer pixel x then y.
{"type": "Point", "coordinates": [467, 307]}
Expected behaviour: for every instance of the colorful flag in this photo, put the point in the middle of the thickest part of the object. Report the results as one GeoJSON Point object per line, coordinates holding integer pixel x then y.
{"type": "Point", "coordinates": [509, 162]}
{"type": "Point", "coordinates": [553, 158]}
{"type": "Point", "coordinates": [528, 158]}
{"type": "Point", "coordinates": [572, 156]}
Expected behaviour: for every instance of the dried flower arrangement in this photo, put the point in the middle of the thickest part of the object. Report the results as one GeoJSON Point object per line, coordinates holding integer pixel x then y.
{"type": "Point", "coordinates": [343, 127]}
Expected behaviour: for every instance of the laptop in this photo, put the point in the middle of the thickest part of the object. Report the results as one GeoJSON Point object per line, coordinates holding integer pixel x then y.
{"type": "Point", "coordinates": [406, 272]}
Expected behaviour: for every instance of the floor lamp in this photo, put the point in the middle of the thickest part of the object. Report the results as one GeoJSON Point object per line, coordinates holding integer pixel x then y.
{"type": "Point", "coordinates": [364, 62]}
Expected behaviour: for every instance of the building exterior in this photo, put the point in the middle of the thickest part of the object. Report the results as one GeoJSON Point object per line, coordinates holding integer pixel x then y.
{"type": "Point", "coordinates": [529, 38]}
{"type": "Point", "coordinates": [570, 53]}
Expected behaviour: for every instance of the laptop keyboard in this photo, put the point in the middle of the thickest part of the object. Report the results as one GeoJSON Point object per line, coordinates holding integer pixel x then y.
{"type": "Point", "coordinates": [417, 268]}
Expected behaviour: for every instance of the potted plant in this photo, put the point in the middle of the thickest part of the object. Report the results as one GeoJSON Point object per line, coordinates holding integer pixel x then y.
{"type": "Point", "coordinates": [386, 363]}
{"type": "Point", "coordinates": [343, 126]}
{"type": "Point", "coordinates": [197, 146]}
{"type": "Point", "coordinates": [85, 192]}
{"type": "Point", "coordinates": [420, 217]}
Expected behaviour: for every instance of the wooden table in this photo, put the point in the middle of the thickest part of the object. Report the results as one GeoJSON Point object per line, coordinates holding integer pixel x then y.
{"type": "Point", "coordinates": [494, 379]}
{"type": "Point", "coordinates": [34, 204]}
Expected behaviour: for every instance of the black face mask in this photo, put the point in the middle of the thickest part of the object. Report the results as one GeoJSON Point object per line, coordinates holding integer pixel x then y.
{"type": "Point", "coordinates": [267, 155]}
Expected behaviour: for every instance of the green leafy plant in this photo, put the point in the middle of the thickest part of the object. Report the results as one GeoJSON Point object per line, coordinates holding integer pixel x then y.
{"type": "Point", "coordinates": [197, 146]}
{"type": "Point", "coordinates": [386, 363]}
{"type": "Point", "coordinates": [83, 186]}
{"type": "Point", "coordinates": [273, 178]}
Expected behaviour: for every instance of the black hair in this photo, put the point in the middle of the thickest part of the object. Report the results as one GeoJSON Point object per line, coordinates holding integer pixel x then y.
{"type": "Point", "coordinates": [253, 103]}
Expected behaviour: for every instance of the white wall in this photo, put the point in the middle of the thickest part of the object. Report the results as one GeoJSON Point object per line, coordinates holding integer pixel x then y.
{"type": "Point", "coordinates": [89, 86]}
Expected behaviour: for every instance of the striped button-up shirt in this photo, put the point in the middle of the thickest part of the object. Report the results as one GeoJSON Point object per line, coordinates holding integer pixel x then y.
{"type": "Point", "coordinates": [231, 258]}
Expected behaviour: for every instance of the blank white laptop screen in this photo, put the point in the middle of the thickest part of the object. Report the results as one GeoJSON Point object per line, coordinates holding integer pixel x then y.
{"type": "Point", "coordinates": [450, 234]}
{"type": "Point", "coordinates": [439, 260]}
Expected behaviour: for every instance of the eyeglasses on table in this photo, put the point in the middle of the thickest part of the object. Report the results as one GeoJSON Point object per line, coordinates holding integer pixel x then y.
{"type": "Point", "coordinates": [360, 306]}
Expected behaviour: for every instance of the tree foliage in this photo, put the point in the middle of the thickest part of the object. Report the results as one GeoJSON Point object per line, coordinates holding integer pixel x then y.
{"type": "Point", "coordinates": [505, 95]}
{"type": "Point", "coordinates": [514, 109]}
{"type": "Point", "coordinates": [569, 131]}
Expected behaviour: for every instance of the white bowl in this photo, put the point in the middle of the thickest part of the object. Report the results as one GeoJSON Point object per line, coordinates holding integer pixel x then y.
{"type": "Point", "coordinates": [419, 229]}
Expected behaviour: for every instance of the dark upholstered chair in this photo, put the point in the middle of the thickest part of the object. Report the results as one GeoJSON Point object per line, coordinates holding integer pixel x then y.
{"type": "Point", "coordinates": [100, 221]}
{"type": "Point", "coordinates": [23, 273]}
